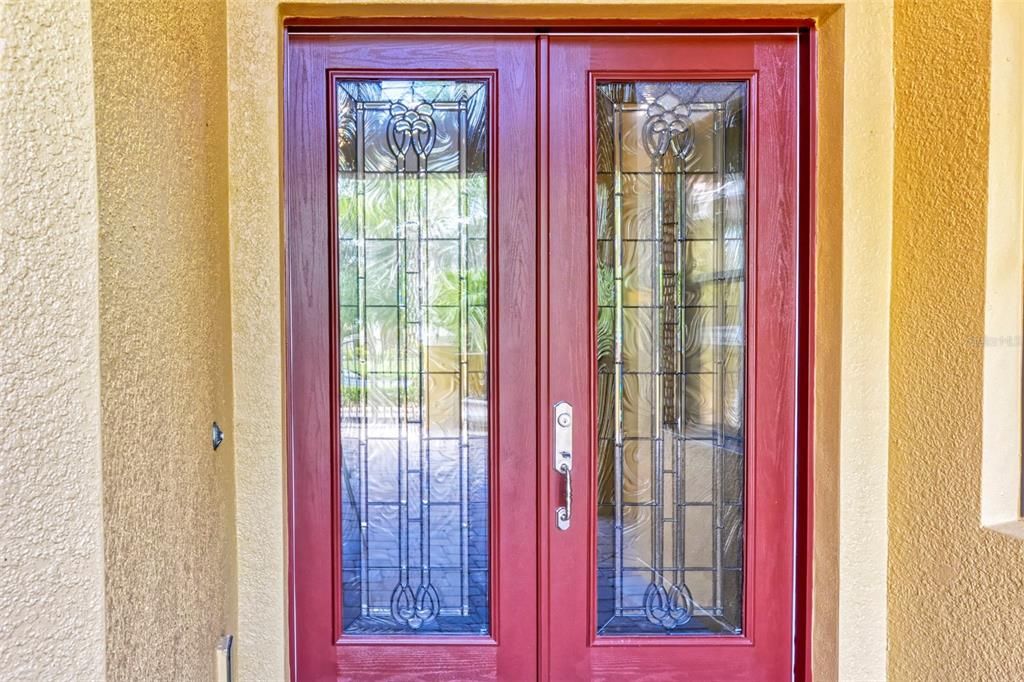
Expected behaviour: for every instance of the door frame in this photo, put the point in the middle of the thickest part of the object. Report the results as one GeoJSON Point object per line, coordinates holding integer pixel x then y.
{"type": "Point", "coordinates": [805, 277]}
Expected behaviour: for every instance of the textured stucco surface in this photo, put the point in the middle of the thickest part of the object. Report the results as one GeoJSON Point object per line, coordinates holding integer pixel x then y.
{"type": "Point", "coordinates": [254, 89]}
{"type": "Point", "coordinates": [956, 591]}
{"type": "Point", "coordinates": [51, 544]}
{"type": "Point", "coordinates": [866, 237]}
{"type": "Point", "coordinates": [161, 122]}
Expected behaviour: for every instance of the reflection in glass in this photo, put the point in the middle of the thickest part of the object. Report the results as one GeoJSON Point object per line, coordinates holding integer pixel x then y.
{"type": "Point", "coordinates": [412, 269]}
{"type": "Point", "coordinates": [671, 223]}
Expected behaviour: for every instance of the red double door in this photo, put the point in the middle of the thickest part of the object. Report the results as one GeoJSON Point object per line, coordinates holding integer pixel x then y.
{"type": "Point", "coordinates": [542, 355]}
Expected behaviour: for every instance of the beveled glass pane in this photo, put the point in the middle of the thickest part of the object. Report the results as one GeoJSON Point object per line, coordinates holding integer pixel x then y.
{"type": "Point", "coordinates": [671, 226]}
{"type": "Point", "coordinates": [412, 277]}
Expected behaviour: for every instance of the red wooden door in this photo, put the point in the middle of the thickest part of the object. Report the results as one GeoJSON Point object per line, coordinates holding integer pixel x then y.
{"type": "Point", "coordinates": [519, 265]}
{"type": "Point", "coordinates": [670, 328]}
{"type": "Point", "coordinates": [410, 208]}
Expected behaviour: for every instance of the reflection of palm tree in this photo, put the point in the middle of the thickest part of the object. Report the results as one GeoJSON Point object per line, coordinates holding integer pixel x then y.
{"type": "Point", "coordinates": [446, 296]}
{"type": "Point", "coordinates": [444, 322]}
{"type": "Point", "coordinates": [447, 323]}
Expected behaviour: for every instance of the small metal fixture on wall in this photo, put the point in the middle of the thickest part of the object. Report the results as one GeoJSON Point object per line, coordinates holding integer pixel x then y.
{"type": "Point", "coordinates": [223, 655]}
{"type": "Point", "coordinates": [216, 435]}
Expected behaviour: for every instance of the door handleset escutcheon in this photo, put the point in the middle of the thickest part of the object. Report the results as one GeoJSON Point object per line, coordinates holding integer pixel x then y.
{"type": "Point", "coordinates": [563, 460]}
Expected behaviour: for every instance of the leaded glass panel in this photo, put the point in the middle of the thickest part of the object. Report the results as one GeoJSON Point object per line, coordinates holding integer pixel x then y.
{"type": "Point", "coordinates": [671, 228]}
{"type": "Point", "coordinates": [413, 315]}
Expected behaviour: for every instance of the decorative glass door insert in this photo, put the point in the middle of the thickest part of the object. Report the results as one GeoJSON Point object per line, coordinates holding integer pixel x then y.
{"type": "Point", "coordinates": [670, 226]}
{"type": "Point", "coordinates": [412, 263]}
{"type": "Point", "coordinates": [675, 346]}
{"type": "Point", "coordinates": [542, 331]}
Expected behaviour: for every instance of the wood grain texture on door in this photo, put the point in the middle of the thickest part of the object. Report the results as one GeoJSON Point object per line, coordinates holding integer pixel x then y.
{"type": "Point", "coordinates": [322, 645]}
{"type": "Point", "coordinates": [756, 641]}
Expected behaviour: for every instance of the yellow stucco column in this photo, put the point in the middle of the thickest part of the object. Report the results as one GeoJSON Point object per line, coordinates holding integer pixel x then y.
{"type": "Point", "coordinates": [165, 334]}
{"type": "Point", "coordinates": [51, 541]}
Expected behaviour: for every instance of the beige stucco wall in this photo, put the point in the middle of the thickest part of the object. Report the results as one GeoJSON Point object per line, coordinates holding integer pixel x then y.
{"type": "Point", "coordinates": [51, 543]}
{"type": "Point", "coordinates": [116, 338]}
{"type": "Point", "coordinates": [165, 335]}
{"type": "Point", "coordinates": [956, 590]}
{"type": "Point", "coordinates": [254, 88]}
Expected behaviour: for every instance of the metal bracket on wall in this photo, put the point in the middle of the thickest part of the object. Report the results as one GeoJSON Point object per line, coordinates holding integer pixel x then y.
{"type": "Point", "coordinates": [216, 435]}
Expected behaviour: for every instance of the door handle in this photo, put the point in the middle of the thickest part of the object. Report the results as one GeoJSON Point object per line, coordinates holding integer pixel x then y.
{"type": "Point", "coordinates": [563, 460]}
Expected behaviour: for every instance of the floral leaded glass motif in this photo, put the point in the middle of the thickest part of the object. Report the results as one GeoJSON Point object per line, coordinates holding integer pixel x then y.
{"type": "Point", "coordinates": [412, 267]}
{"type": "Point", "coordinates": [671, 228]}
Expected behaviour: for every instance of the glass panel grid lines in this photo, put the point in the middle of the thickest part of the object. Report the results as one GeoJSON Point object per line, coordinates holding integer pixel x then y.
{"type": "Point", "coordinates": [671, 224]}
{"type": "Point", "coordinates": [412, 253]}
